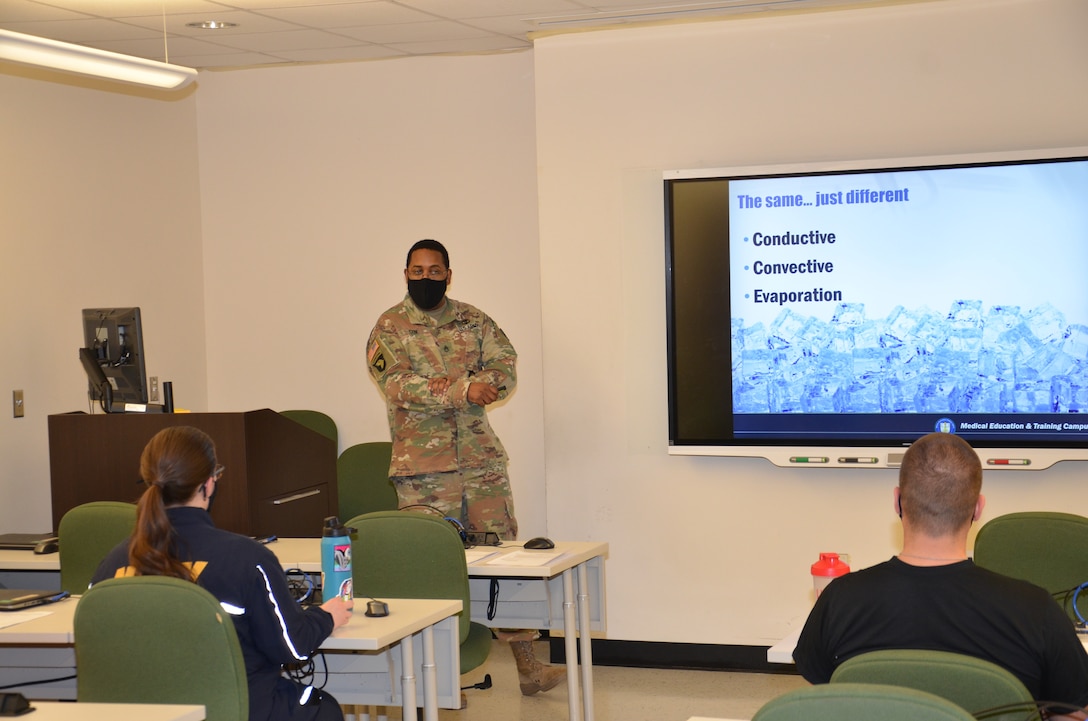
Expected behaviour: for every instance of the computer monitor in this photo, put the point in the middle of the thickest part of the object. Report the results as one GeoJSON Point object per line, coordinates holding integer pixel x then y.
{"type": "Point", "coordinates": [830, 314]}
{"type": "Point", "coordinates": [114, 338]}
{"type": "Point", "coordinates": [100, 384]}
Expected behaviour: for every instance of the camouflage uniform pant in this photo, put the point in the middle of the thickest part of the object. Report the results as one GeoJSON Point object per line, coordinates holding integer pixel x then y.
{"type": "Point", "coordinates": [478, 497]}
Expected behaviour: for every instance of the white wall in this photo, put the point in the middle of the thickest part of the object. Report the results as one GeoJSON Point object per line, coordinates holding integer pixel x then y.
{"type": "Point", "coordinates": [99, 207]}
{"type": "Point", "coordinates": [727, 543]}
{"type": "Point", "coordinates": [316, 181]}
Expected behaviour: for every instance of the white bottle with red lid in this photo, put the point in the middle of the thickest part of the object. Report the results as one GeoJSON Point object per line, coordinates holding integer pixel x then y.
{"type": "Point", "coordinates": [829, 567]}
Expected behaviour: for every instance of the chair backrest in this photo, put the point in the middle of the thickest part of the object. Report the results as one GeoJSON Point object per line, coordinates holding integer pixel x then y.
{"type": "Point", "coordinates": [401, 554]}
{"type": "Point", "coordinates": [154, 639]}
{"type": "Point", "coordinates": [1049, 549]}
{"type": "Point", "coordinates": [316, 421]}
{"type": "Point", "coordinates": [860, 702]}
{"type": "Point", "coordinates": [362, 479]}
{"type": "Point", "coordinates": [971, 683]}
{"type": "Point", "coordinates": [86, 534]}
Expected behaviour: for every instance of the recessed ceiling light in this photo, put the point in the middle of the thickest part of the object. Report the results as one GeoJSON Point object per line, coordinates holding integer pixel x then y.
{"type": "Point", "coordinates": [211, 25]}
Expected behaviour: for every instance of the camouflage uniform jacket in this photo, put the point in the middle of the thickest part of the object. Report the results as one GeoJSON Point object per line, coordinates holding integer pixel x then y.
{"type": "Point", "coordinates": [437, 433]}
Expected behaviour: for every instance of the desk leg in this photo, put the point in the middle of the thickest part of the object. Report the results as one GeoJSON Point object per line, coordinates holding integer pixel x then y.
{"type": "Point", "coordinates": [430, 677]}
{"type": "Point", "coordinates": [584, 638]}
{"type": "Point", "coordinates": [407, 679]}
{"type": "Point", "coordinates": [570, 628]}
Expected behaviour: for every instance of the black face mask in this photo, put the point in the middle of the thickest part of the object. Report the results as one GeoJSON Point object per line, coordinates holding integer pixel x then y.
{"type": "Point", "coordinates": [426, 293]}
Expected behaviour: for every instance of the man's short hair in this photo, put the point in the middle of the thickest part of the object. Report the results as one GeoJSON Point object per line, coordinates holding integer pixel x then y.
{"type": "Point", "coordinates": [428, 244]}
{"type": "Point", "coordinates": [939, 484]}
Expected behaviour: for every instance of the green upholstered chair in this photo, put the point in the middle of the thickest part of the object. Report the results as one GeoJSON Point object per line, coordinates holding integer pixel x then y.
{"type": "Point", "coordinates": [401, 554]}
{"type": "Point", "coordinates": [362, 479]}
{"type": "Point", "coordinates": [860, 702]}
{"type": "Point", "coordinates": [86, 534]}
{"type": "Point", "coordinates": [154, 639]}
{"type": "Point", "coordinates": [1048, 548]}
{"type": "Point", "coordinates": [971, 683]}
{"type": "Point", "coordinates": [316, 421]}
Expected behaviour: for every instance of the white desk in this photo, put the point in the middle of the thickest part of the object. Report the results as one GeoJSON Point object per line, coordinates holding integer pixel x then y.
{"type": "Point", "coordinates": [566, 594]}
{"type": "Point", "coordinates": [26, 569]}
{"type": "Point", "coordinates": [357, 677]}
{"type": "Point", "coordinates": [54, 711]}
{"type": "Point", "coordinates": [361, 655]}
{"type": "Point", "coordinates": [40, 649]}
{"type": "Point", "coordinates": [28, 561]}
{"type": "Point", "coordinates": [782, 652]}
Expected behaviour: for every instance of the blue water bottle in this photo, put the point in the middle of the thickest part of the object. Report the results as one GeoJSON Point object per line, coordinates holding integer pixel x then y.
{"type": "Point", "coordinates": [335, 560]}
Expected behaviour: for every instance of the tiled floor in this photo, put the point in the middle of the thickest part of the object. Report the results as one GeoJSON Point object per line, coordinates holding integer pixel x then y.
{"type": "Point", "coordinates": [620, 694]}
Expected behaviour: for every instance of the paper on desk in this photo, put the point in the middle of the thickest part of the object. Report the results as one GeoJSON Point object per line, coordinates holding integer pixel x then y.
{"type": "Point", "coordinates": [525, 558]}
{"type": "Point", "coordinates": [473, 555]}
{"type": "Point", "coordinates": [13, 618]}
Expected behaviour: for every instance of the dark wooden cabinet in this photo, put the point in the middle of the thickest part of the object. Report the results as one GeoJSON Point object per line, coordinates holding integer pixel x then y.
{"type": "Point", "coordinates": [280, 476]}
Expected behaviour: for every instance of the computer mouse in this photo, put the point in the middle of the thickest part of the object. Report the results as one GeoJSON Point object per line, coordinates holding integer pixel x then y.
{"type": "Point", "coordinates": [377, 608]}
{"type": "Point", "coordinates": [14, 704]}
{"type": "Point", "coordinates": [539, 543]}
{"type": "Point", "coordinates": [47, 545]}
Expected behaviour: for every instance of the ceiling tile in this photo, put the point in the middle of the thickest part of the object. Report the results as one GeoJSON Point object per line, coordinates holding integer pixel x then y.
{"type": "Point", "coordinates": [15, 11]}
{"type": "Point", "coordinates": [415, 32]}
{"type": "Point", "coordinates": [290, 40]}
{"type": "Point", "coordinates": [84, 32]}
{"type": "Point", "coordinates": [348, 14]}
{"type": "Point", "coordinates": [245, 22]}
{"type": "Point", "coordinates": [277, 31]}
{"type": "Point", "coordinates": [463, 9]}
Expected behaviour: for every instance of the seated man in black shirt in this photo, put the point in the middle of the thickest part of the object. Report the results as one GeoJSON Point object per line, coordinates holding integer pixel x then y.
{"type": "Point", "coordinates": [931, 596]}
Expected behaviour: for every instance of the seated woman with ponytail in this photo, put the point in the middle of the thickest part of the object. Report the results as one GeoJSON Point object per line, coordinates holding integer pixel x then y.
{"type": "Point", "coordinates": [175, 536]}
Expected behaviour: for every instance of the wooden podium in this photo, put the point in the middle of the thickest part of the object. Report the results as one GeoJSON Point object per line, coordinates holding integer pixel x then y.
{"type": "Point", "coordinates": [280, 476]}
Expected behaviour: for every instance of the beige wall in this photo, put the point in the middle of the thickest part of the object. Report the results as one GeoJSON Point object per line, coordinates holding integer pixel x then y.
{"type": "Point", "coordinates": [313, 181]}
{"type": "Point", "coordinates": [725, 544]}
{"type": "Point", "coordinates": [99, 207]}
{"type": "Point", "coordinates": [317, 180]}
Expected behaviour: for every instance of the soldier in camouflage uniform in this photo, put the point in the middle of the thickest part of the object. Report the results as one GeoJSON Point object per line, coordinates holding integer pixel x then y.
{"type": "Point", "coordinates": [440, 363]}
{"type": "Point", "coordinates": [445, 454]}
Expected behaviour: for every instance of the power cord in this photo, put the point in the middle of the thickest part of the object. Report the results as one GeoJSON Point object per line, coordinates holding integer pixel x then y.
{"type": "Point", "coordinates": [306, 672]}
{"type": "Point", "coordinates": [457, 525]}
{"type": "Point", "coordinates": [300, 584]}
{"type": "Point", "coordinates": [1031, 709]}
{"type": "Point", "coordinates": [483, 685]}
{"type": "Point", "coordinates": [492, 599]}
{"type": "Point", "coordinates": [1082, 625]}
{"type": "Point", "coordinates": [35, 683]}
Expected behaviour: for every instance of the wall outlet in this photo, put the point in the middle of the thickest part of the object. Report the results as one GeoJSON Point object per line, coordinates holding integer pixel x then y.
{"type": "Point", "coordinates": [17, 407]}
{"type": "Point", "coordinates": [153, 393]}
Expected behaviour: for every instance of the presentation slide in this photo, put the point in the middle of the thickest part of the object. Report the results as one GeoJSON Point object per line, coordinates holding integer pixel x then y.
{"type": "Point", "coordinates": [948, 290]}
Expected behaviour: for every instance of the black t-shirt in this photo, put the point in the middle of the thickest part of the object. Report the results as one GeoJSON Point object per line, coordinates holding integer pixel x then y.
{"type": "Point", "coordinates": [959, 608]}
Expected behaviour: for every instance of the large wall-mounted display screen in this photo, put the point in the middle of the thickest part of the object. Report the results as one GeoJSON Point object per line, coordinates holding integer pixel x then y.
{"type": "Point", "coordinates": [865, 306]}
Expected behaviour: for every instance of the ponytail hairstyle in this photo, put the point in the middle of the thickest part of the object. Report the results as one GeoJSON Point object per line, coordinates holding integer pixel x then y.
{"type": "Point", "coordinates": [174, 465]}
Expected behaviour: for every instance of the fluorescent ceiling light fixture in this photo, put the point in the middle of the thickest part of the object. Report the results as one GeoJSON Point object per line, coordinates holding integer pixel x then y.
{"type": "Point", "coordinates": [211, 25]}
{"type": "Point", "coordinates": [55, 55]}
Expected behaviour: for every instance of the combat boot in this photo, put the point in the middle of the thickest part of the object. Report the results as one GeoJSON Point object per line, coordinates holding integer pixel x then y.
{"type": "Point", "coordinates": [532, 674]}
